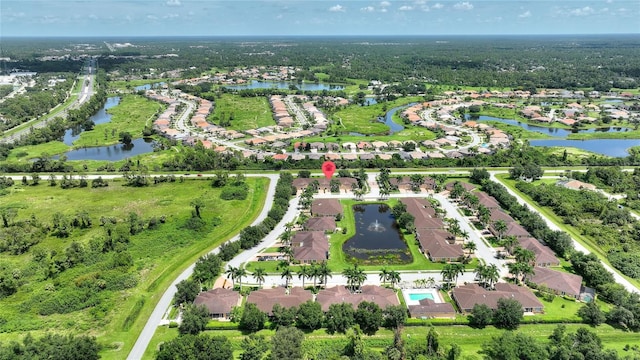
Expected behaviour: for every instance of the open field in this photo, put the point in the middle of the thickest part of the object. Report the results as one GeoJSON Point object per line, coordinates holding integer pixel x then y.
{"type": "Point", "coordinates": [157, 256]}
{"type": "Point", "coordinates": [131, 115]}
{"type": "Point", "coordinates": [469, 339]}
{"type": "Point", "coordinates": [244, 113]}
{"type": "Point", "coordinates": [364, 119]}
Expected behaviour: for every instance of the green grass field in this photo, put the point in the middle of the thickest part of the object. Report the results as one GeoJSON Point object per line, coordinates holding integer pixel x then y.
{"type": "Point", "coordinates": [364, 119]}
{"type": "Point", "coordinates": [469, 339]}
{"type": "Point", "coordinates": [158, 255]}
{"type": "Point", "coordinates": [131, 115]}
{"type": "Point", "coordinates": [248, 112]}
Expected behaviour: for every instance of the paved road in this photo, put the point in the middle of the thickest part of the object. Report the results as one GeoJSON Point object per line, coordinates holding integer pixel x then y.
{"type": "Point", "coordinates": [85, 94]}
{"type": "Point", "coordinates": [578, 246]}
{"type": "Point", "coordinates": [165, 301]}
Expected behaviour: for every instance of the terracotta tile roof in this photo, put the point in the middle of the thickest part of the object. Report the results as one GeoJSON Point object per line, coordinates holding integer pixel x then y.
{"type": "Point", "coordinates": [487, 200]}
{"type": "Point", "coordinates": [323, 223]}
{"type": "Point", "coordinates": [326, 207]}
{"type": "Point", "coordinates": [310, 246]}
{"type": "Point", "coordinates": [430, 309]}
{"type": "Point", "coordinates": [219, 301]}
{"type": "Point", "coordinates": [266, 298]}
{"type": "Point", "coordinates": [561, 282]}
{"type": "Point", "coordinates": [372, 293]}
{"type": "Point", "coordinates": [470, 294]}
{"type": "Point", "coordinates": [544, 255]}
{"type": "Point", "coordinates": [435, 244]}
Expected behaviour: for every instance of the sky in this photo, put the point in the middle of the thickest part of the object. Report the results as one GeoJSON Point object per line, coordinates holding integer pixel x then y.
{"type": "Point", "coordinates": [105, 18]}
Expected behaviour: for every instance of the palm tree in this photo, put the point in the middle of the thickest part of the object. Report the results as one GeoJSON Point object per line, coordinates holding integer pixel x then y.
{"type": "Point", "coordinates": [314, 273]}
{"type": "Point", "coordinates": [492, 275]}
{"type": "Point", "coordinates": [471, 246]}
{"type": "Point", "coordinates": [324, 272]}
{"type": "Point", "coordinates": [304, 273]}
{"type": "Point", "coordinates": [240, 273]}
{"type": "Point", "coordinates": [258, 274]}
{"type": "Point", "coordinates": [288, 252]}
{"type": "Point", "coordinates": [355, 277]}
{"type": "Point", "coordinates": [459, 270]}
{"type": "Point", "coordinates": [429, 282]}
{"type": "Point", "coordinates": [464, 234]}
{"type": "Point", "coordinates": [484, 215]}
{"type": "Point", "coordinates": [509, 242]}
{"type": "Point", "coordinates": [384, 275]}
{"type": "Point", "coordinates": [287, 275]}
{"type": "Point", "coordinates": [384, 191]}
{"type": "Point", "coordinates": [524, 255]}
{"type": "Point", "coordinates": [394, 277]}
{"type": "Point", "coordinates": [481, 272]}
{"type": "Point", "coordinates": [448, 272]}
{"type": "Point", "coordinates": [282, 264]}
{"type": "Point", "coordinates": [500, 226]}
{"type": "Point", "coordinates": [231, 273]}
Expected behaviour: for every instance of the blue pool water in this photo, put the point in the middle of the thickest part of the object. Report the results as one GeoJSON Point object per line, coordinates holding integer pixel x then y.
{"type": "Point", "coordinates": [418, 297]}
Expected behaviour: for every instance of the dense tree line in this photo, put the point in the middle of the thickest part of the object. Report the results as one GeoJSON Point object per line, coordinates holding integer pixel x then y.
{"type": "Point", "coordinates": [51, 347]}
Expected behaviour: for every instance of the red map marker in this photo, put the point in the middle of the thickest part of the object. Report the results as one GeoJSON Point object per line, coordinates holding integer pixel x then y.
{"type": "Point", "coordinates": [328, 168]}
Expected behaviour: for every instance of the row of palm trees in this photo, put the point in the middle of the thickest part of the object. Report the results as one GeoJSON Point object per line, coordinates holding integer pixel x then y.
{"type": "Point", "coordinates": [316, 272]}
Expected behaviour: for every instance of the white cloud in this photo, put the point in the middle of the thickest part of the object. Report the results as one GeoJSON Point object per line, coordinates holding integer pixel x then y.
{"type": "Point", "coordinates": [525, 14]}
{"type": "Point", "coordinates": [385, 4]}
{"type": "Point", "coordinates": [587, 10]}
{"type": "Point", "coordinates": [152, 17]}
{"type": "Point", "coordinates": [171, 16]}
{"type": "Point", "coordinates": [405, 8]}
{"type": "Point", "coordinates": [368, 9]}
{"type": "Point", "coordinates": [437, 6]}
{"type": "Point", "coordinates": [463, 6]}
{"type": "Point", "coordinates": [174, 2]}
{"type": "Point", "coordinates": [383, 10]}
{"type": "Point", "coordinates": [337, 8]}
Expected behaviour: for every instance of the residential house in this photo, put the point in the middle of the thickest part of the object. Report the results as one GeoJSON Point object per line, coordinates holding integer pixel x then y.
{"type": "Point", "coordinates": [545, 257]}
{"type": "Point", "coordinates": [310, 246]}
{"type": "Point", "coordinates": [287, 298]}
{"type": "Point", "coordinates": [562, 283]}
{"type": "Point", "coordinates": [382, 296]}
{"type": "Point", "coordinates": [326, 207]}
{"type": "Point", "coordinates": [429, 309]}
{"type": "Point", "coordinates": [322, 223]}
{"type": "Point", "coordinates": [468, 295]}
{"type": "Point", "coordinates": [219, 302]}
{"type": "Point", "coordinates": [435, 244]}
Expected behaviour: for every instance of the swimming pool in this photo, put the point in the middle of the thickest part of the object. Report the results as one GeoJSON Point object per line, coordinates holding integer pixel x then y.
{"type": "Point", "coordinates": [420, 296]}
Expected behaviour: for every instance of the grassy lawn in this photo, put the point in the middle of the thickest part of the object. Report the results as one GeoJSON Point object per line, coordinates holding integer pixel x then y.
{"type": "Point", "coordinates": [364, 119]}
{"type": "Point", "coordinates": [469, 339]}
{"type": "Point", "coordinates": [248, 112]}
{"type": "Point", "coordinates": [629, 134]}
{"type": "Point", "coordinates": [586, 241]}
{"type": "Point", "coordinates": [131, 115]}
{"type": "Point", "coordinates": [158, 255]}
{"type": "Point", "coordinates": [28, 152]}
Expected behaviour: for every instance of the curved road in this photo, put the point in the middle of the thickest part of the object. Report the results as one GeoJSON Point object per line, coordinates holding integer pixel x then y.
{"type": "Point", "coordinates": [165, 301]}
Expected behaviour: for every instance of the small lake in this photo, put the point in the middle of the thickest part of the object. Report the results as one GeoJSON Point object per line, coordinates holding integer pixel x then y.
{"type": "Point", "coordinates": [609, 147]}
{"type": "Point", "coordinates": [377, 235]}
{"type": "Point", "coordinates": [388, 119]}
{"type": "Point", "coordinates": [556, 132]}
{"type": "Point", "coordinates": [100, 117]}
{"type": "Point", "coordinates": [370, 101]}
{"type": "Point", "coordinates": [148, 86]}
{"type": "Point", "coordinates": [112, 152]}
{"type": "Point", "coordinates": [284, 85]}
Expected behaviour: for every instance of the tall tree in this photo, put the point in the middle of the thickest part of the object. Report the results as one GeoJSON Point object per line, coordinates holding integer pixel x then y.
{"type": "Point", "coordinates": [286, 343]}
